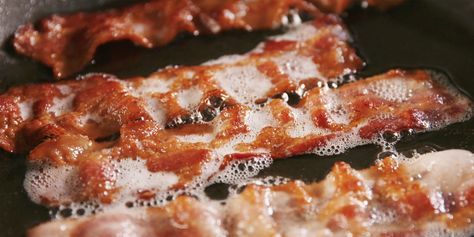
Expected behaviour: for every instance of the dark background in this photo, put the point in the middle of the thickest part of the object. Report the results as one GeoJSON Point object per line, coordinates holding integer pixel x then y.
{"type": "Point", "coordinates": [436, 34]}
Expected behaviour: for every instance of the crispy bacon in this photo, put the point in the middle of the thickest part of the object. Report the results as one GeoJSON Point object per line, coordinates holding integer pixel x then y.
{"type": "Point", "coordinates": [67, 43]}
{"type": "Point", "coordinates": [180, 120]}
{"type": "Point", "coordinates": [392, 198]}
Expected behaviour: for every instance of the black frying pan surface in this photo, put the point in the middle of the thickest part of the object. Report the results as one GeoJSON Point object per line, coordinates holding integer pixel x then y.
{"type": "Point", "coordinates": [434, 34]}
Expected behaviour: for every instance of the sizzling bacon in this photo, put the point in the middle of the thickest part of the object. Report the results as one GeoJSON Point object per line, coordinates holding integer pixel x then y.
{"type": "Point", "coordinates": [67, 43]}
{"type": "Point", "coordinates": [392, 198]}
{"type": "Point", "coordinates": [273, 101]}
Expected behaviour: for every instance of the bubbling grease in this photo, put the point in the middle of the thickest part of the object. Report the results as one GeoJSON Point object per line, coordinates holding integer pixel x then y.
{"type": "Point", "coordinates": [46, 182]}
{"type": "Point", "coordinates": [436, 174]}
{"type": "Point", "coordinates": [51, 183]}
{"type": "Point", "coordinates": [245, 83]}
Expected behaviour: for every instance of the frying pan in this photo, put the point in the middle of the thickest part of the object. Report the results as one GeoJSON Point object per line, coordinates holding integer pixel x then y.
{"type": "Point", "coordinates": [434, 34]}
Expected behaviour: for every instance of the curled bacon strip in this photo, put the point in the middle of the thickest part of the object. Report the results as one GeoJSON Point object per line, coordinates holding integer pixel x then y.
{"type": "Point", "coordinates": [391, 198]}
{"type": "Point", "coordinates": [67, 43]}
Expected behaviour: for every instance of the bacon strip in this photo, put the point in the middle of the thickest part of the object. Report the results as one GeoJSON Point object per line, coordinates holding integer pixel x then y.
{"type": "Point", "coordinates": [271, 102]}
{"type": "Point", "coordinates": [67, 43]}
{"type": "Point", "coordinates": [392, 198]}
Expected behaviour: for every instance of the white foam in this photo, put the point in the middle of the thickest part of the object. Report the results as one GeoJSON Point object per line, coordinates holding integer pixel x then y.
{"type": "Point", "coordinates": [62, 183]}
{"type": "Point", "coordinates": [240, 172]}
{"type": "Point", "coordinates": [133, 175]}
{"type": "Point", "coordinates": [196, 138]}
{"type": "Point", "coordinates": [62, 105]}
{"type": "Point", "coordinates": [47, 182]}
{"type": "Point", "coordinates": [300, 33]}
{"type": "Point", "coordinates": [153, 107]}
{"type": "Point", "coordinates": [140, 29]}
{"type": "Point", "coordinates": [243, 83]}
{"type": "Point", "coordinates": [336, 108]}
{"type": "Point", "coordinates": [258, 119]}
{"type": "Point", "coordinates": [396, 90]}
{"type": "Point", "coordinates": [341, 32]}
{"type": "Point", "coordinates": [64, 89]}
{"type": "Point", "coordinates": [441, 230]}
{"type": "Point", "coordinates": [51, 183]}
{"type": "Point", "coordinates": [255, 120]}
{"type": "Point", "coordinates": [304, 124]}
{"type": "Point", "coordinates": [297, 32]}
{"type": "Point", "coordinates": [154, 84]}
{"type": "Point", "coordinates": [341, 142]}
{"type": "Point", "coordinates": [26, 109]}
{"type": "Point", "coordinates": [297, 67]}
{"type": "Point", "coordinates": [435, 170]}
{"type": "Point", "coordinates": [190, 98]}
{"type": "Point", "coordinates": [90, 117]}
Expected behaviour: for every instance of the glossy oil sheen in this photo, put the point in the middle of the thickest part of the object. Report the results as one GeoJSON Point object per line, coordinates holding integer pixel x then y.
{"type": "Point", "coordinates": [434, 34]}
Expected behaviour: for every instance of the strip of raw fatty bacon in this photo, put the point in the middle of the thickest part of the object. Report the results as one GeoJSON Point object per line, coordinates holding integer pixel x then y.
{"type": "Point", "coordinates": [67, 43]}
{"type": "Point", "coordinates": [430, 195]}
{"type": "Point", "coordinates": [186, 124]}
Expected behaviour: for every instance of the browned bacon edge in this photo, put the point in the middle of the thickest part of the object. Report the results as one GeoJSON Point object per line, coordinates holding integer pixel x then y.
{"type": "Point", "coordinates": [67, 43]}
{"type": "Point", "coordinates": [388, 199]}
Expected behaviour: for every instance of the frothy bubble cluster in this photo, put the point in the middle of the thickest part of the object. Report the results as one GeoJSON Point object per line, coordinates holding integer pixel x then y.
{"type": "Point", "coordinates": [239, 171]}
{"type": "Point", "coordinates": [46, 182]}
